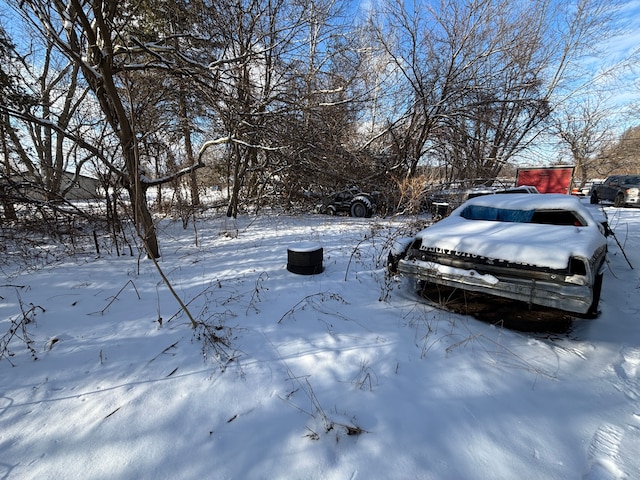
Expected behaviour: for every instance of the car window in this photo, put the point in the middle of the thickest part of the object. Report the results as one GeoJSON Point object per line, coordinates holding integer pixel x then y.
{"type": "Point", "coordinates": [557, 217]}
{"type": "Point", "coordinates": [631, 180]}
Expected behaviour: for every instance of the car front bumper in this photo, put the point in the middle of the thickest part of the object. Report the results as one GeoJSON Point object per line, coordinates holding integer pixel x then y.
{"type": "Point", "coordinates": [562, 296]}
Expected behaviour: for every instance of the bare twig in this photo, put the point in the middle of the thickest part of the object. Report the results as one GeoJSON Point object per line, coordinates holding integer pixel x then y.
{"type": "Point", "coordinates": [115, 297]}
{"type": "Point", "coordinates": [166, 281]}
{"type": "Point", "coordinates": [311, 300]}
{"type": "Point", "coordinates": [18, 330]}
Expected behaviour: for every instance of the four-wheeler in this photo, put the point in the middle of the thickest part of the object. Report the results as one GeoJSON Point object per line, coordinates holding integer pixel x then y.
{"type": "Point", "coordinates": [351, 201]}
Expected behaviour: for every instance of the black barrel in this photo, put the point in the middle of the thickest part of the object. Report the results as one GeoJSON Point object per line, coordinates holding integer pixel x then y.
{"type": "Point", "coordinates": [305, 259]}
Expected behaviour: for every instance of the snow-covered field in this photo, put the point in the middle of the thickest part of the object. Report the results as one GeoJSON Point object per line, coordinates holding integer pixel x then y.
{"type": "Point", "coordinates": [341, 375]}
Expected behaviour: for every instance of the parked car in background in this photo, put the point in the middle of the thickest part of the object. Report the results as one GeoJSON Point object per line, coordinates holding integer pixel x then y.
{"type": "Point", "coordinates": [441, 199]}
{"type": "Point", "coordinates": [520, 189]}
{"type": "Point", "coordinates": [540, 249]}
{"type": "Point", "coordinates": [622, 190]}
{"type": "Point", "coordinates": [584, 190]}
{"type": "Point", "coordinates": [441, 202]}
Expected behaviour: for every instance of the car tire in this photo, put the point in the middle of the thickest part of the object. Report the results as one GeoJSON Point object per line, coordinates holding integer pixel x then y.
{"type": "Point", "coordinates": [331, 210]}
{"type": "Point", "coordinates": [392, 262]}
{"type": "Point", "coordinates": [360, 209]}
{"type": "Point", "coordinates": [597, 289]}
{"type": "Point", "coordinates": [594, 199]}
{"type": "Point", "coordinates": [619, 200]}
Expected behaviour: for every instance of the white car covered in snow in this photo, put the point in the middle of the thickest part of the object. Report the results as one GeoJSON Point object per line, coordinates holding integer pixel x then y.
{"type": "Point", "coordinates": [540, 249]}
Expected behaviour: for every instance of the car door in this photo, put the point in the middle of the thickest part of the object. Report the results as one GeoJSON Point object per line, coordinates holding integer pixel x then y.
{"type": "Point", "coordinates": [609, 189]}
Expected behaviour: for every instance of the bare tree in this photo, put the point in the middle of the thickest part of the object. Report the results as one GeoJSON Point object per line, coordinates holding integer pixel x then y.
{"type": "Point", "coordinates": [325, 104]}
{"type": "Point", "coordinates": [276, 93]}
{"type": "Point", "coordinates": [12, 96]}
{"type": "Point", "coordinates": [109, 43]}
{"type": "Point", "coordinates": [585, 130]}
{"type": "Point", "coordinates": [480, 77]}
{"type": "Point", "coordinates": [45, 153]}
{"type": "Point", "coordinates": [620, 156]}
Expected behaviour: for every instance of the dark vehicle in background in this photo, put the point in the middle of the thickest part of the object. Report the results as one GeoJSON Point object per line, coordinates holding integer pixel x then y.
{"type": "Point", "coordinates": [622, 190]}
{"type": "Point", "coordinates": [352, 202]}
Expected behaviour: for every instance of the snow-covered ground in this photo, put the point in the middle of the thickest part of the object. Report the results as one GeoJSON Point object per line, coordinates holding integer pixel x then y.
{"type": "Point", "coordinates": [340, 375]}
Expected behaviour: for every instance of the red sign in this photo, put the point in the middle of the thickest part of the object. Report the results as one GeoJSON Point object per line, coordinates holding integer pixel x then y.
{"type": "Point", "coordinates": [546, 179]}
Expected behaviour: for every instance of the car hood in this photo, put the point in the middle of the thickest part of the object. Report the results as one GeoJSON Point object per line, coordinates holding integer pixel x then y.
{"type": "Point", "coordinates": [533, 244]}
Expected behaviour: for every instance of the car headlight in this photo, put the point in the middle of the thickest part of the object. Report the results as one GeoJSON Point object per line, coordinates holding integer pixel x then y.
{"type": "Point", "coordinates": [633, 191]}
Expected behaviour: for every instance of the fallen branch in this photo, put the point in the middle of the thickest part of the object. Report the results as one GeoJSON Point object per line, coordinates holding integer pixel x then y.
{"type": "Point", "coordinates": [613, 234]}
{"type": "Point", "coordinates": [311, 300]}
{"type": "Point", "coordinates": [115, 297]}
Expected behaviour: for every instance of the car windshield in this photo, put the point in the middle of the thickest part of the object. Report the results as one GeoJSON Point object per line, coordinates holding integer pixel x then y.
{"type": "Point", "coordinates": [549, 217]}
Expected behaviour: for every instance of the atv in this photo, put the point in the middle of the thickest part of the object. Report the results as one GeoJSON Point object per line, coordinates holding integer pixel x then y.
{"type": "Point", "coordinates": [351, 201]}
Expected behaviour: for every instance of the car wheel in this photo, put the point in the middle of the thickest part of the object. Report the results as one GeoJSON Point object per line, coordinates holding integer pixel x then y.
{"type": "Point", "coordinates": [359, 209]}
{"type": "Point", "coordinates": [331, 210]}
{"type": "Point", "coordinates": [594, 199]}
{"type": "Point", "coordinates": [392, 262]}
{"type": "Point", "coordinates": [597, 289]}
{"type": "Point", "coordinates": [619, 201]}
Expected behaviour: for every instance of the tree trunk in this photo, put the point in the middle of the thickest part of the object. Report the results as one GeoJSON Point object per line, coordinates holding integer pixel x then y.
{"type": "Point", "coordinates": [232, 210]}
{"type": "Point", "coordinates": [186, 133]}
{"type": "Point", "coordinates": [7, 203]}
{"type": "Point", "coordinates": [145, 228]}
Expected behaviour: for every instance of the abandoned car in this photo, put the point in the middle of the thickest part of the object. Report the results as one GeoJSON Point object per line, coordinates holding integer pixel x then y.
{"type": "Point", "coordinates": [545, 250]}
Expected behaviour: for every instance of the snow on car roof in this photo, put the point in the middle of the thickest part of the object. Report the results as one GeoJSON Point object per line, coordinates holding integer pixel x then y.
{"type": "Point", "coordinates": [533, 244]}
{"type": "Point", "coordinates": [526, 201]}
